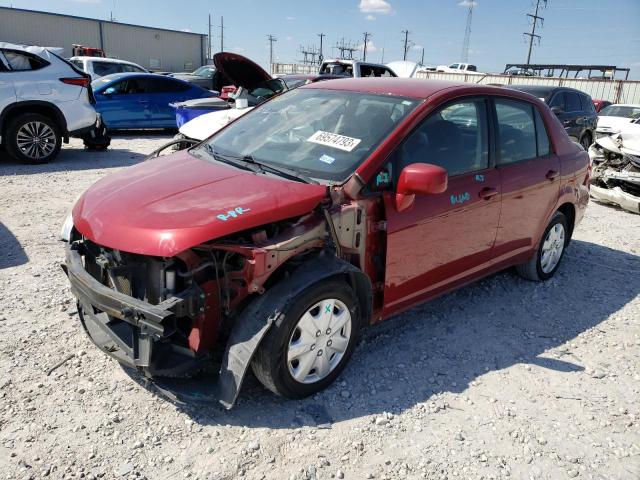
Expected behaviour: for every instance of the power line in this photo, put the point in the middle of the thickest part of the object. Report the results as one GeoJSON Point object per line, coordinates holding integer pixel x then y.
{"type": "Point", "coordinates": [532, 36]}
{"type": "Point", "coordinates": [467, 34]}
{"type": "Point", "coordinates": [364, 48]}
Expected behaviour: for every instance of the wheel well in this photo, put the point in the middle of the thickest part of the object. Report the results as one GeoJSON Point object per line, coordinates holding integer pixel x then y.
{"type": "Point", "coordinates": [569, 211]}
{"type": "Point", "coordinates": [43, 108]}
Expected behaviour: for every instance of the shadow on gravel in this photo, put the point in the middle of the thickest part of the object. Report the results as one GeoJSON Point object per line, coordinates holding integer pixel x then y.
{"type": "Point", "coordinates": [11, 252]}
{"type": "Point", "coordinates": [76, 159]}
{"type": "Point", "coordinates": [445, 344]}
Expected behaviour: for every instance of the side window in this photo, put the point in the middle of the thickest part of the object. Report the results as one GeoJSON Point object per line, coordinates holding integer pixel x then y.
{"type": "Point", "coordinates": [587, 104]}
{"type": "Point", "coordinates": [544, 145]}
{"type": "Point", "coordinates": [21, 61]}
{"type": "Point", "coordinates": [516, 131]}
{"type": "Point", "coordinates": [558, 101]}
{"type": "Point", "coordinates": [132, 86]}
{"type": "Point", "coordinates": [454, 137]}
{"type": "Point", "coordinates": [78, 63]}
{"type": "Point", "coordinates": [367, 71]}
{"type": "Point", "coordinates": [104, 68]}
{"type": "Point", "coordinates": [573, 102]}
{"type": "Point", "coordinates": [165, 85]}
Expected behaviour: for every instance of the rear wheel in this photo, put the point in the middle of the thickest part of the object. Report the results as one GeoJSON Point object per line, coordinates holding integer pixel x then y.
{"type": "Point", "coordinates": [545, 262]}
{"type": "Point", "coordinates": [309, 347]}
{"type": "Point", "coordinates": [33, 138]}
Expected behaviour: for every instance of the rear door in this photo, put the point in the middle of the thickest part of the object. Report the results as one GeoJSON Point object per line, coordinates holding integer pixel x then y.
{"type": "Point", "coordinates": [7, 92]}
{"type": "Point", "coordinates": [448, 237]}
{"type": "Point", "coordinates": [128, 106]}
{"type": "Point", "coordinates": [161, 92]}
{"type": "Point", "coordinates": [529, 173]}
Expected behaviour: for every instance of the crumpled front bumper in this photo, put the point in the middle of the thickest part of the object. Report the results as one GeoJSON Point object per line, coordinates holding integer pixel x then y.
{"type": "Point", "coordinates": [133, 331]}
{"type": "Point", "coordinates": [616, 196]}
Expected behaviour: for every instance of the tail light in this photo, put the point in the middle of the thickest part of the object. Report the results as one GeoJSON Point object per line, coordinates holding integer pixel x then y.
{"type": "Point", "coordinates": [78, 81]}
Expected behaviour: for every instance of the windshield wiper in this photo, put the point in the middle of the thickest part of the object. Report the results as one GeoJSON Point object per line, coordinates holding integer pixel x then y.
{"type": "Point", "coordinates": [282, 170]}
{"type": "Point", "coordinates": [231, 159]}
{"type": "Point", "coordinates": [249, 163]}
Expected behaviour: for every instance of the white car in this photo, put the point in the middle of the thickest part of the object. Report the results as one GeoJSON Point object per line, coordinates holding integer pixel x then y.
{"type": "Point", "coordinates": [613, 118]}
{"type": "Point", "coordinates": [355, 68]}
{"type": "Point", "coordinates": [44, 100]}
{"type": "Point", "coordinates": [459, 68]}
{"type": "Point", "coordinates": [99, 66]}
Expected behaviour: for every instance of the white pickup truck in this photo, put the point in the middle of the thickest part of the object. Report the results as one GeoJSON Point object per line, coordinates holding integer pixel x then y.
{"type": "Point", "coordinates": [355, 68]}
{"type": "Point", "coordinates": [458, 68]}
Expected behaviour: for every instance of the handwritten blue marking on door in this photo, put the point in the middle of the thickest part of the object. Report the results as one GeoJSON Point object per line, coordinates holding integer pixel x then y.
{"type": "Point", "coordinates": [460, 198]}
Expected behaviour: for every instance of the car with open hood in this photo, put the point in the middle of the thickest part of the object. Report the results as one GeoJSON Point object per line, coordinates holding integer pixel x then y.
{"type": "Point", "coordinates": [325, 209]}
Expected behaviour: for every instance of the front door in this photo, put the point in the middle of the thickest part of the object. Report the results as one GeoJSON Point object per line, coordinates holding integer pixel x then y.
{"type": "Point", "coordinates": [127, 105]}
{"type": "Point", "coordinates": [445, 238]}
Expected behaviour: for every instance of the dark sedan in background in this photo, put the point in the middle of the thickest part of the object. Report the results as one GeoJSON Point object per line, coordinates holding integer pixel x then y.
{"type": "Point", "coordinates": [574, 109]}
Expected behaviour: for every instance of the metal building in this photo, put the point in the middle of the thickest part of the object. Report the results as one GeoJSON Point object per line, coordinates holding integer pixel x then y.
{"type": "Point", "coordinates": [153, 48]}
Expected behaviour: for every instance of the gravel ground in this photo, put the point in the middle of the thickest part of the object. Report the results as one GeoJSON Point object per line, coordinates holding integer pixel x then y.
{"type": "Point", "coordinates": [501, 379]}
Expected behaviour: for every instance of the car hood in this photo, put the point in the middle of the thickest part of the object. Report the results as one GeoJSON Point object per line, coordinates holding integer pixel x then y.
{"type": "Point", "coordinates": [612, 124]}
{"type": "Point", "coordinates": [207, 124]}
{"type": "Point", "coordinates": [241, 71]}
{"type": "Point", "coordinates": [168, 204]}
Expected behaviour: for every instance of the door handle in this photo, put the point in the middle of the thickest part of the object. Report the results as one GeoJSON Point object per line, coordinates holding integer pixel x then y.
{"type": "Point", "coordinates": [551, 175]}
{"type": "Point", "coordinates": [487, 193]}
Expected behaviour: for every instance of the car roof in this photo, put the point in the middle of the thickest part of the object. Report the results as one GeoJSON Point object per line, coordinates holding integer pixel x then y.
{"type": "Point", "coordinates": [544, 90]}
{"type": "Point", "coordinates": [103, 59]}
{"type": "Point", "coordinates": [118, 76]}
{"type": "Point", "coordinates": [401, 87]}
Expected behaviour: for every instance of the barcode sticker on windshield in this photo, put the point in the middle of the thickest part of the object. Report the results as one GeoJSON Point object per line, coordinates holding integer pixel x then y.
{"type": "Point", "coordinates": [334, 140]}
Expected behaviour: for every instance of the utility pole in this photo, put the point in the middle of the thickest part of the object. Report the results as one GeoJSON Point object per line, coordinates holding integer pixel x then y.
{"type": "Point", "coordinates": [271, 39]}
{"type": "Point", "coordinates": [382, 61]}
{"type": "Point", "coordinates": [222, 34]}
{"type": "Point", "coordinates": [422, 58]}
{"type": "Point", "coordinates": [366, 40]}
{"type": "Point", "coordinates": [209, 40]}
{"type": "Point", "coordinates": [321, 56]}
{"type": "Point", "coordinates": [467, 34]}
{"type": "Point", "coordinates": [406, 43]}
{"type": "Point", "coordinates": [532, 36]}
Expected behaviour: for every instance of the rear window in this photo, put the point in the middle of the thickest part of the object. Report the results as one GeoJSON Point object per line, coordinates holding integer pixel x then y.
{"type": "Point", "coordinates": [516, 131]}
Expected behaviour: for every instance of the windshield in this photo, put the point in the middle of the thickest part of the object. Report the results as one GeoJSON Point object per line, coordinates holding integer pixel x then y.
{"type": "Point", "coordinates": [620, 111]}
{"type": "Point", "coordinates": [204, 71]}
{"type": "Point", "coordinates": [323, 134]}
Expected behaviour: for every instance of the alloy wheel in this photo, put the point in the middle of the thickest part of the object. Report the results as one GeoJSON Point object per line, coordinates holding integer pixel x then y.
{"type": "Point", "coordinates": [36, 140]}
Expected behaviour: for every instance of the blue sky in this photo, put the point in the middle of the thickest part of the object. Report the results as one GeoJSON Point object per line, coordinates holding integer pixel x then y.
{"type": "Point", "coordinates": [575, 31]}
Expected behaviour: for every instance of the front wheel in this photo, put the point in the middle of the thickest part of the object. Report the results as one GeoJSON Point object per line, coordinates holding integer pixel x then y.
{"type": "Point", "coordinates": [308, 347]}
{"type": "Point", "coordinates": [545, 262]}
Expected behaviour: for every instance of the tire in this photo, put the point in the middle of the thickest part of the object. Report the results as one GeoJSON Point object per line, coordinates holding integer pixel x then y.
{"type": "Point", "coordinates": [586, 140]}
{"type": "Point", "coordinates": [535, 269]}
{"type": "Point", "coordinates": [33, 138]}
{"type": "Point", "coordinates": [97, 139]}
{"type": "Point", "coordinates": [271, 363]}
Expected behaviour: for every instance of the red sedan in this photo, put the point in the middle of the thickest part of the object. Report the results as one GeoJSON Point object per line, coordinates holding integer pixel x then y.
{"type": "Point", "coordinates": [325, 209]}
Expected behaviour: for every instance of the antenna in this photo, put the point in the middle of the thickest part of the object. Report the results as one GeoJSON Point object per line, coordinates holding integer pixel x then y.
{"type": "Point", "coordinates": [271, 39]}
{"type": "Point", "coordinates": [467, 33]}
{"type": "Point", "coordinates": [532, 36]}
{"type": "Point", "coordinates": [364, 48]}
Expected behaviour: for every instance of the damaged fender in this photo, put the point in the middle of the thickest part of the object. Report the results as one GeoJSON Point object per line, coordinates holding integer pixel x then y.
{"type": "Point", "coordinates": [254, 322]}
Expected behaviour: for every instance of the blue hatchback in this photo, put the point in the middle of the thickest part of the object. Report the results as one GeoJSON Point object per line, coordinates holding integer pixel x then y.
{"type": "Point", "coordinates": [141, 100]}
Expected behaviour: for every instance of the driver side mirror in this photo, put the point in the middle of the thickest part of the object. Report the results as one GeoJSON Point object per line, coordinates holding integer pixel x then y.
{"type": "Point", "coordinates": [557, 110]}
{"type": "Point", "coordinates": [419, 179]}
{"type": "Point", "coordinates": [109, 91]}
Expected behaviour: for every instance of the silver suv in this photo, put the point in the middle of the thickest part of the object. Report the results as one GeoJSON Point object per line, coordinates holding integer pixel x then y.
{"type": "Point", "coordinates": [44, 100]}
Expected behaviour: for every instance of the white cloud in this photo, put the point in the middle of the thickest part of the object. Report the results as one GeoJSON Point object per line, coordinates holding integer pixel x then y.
{"type": "Point", "coordinates": [370, 46]}
{"type": "Point", "coordinates": [188, 30]}
{"type": "Point", "coordinates": [370, 17]}
{"type": "Point", "coordinates": [288, 39]}
{"type": "Point", "coordinates": [375, 6]}
{"type": "Point", "coordinates": [468, 3]}
{"type": "Point", "coordinates": [417, 47]}
{"type": "Point", "coordinates": [87, 1]}
{"type": "Point", "coordinates": [290, 19]}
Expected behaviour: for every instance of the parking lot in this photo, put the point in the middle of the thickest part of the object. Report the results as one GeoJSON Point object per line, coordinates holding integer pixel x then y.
{"type": "Point", "coordinates": [502, 379]}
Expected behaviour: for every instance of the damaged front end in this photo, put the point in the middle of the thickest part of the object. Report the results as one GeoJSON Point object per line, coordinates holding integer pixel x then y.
{"type": "Point", "coordinates": [616, 171]}
{"type": "Point", "coordinates": [172, 317]}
